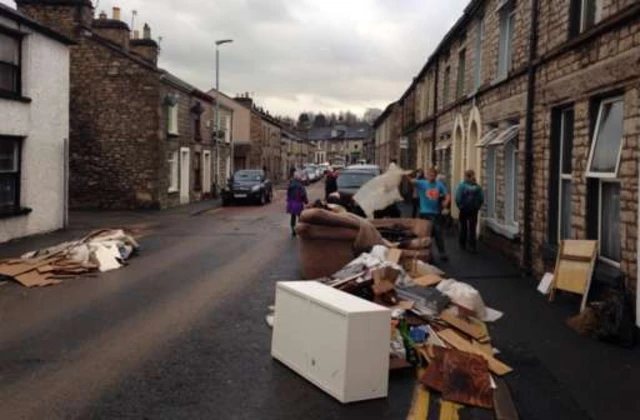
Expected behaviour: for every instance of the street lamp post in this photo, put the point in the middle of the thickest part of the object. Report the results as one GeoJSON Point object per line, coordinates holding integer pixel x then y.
{"type": "Point", "coordinates": [217, 128]}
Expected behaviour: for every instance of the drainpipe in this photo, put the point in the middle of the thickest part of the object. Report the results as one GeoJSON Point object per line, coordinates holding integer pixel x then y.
{"type": "Point", "coordinates": [528, 141]}
{"type": "Point", "coordinates": [434, 159]}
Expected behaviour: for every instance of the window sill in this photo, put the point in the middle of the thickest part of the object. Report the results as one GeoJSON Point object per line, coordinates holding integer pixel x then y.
{"type": "Point", "coordinates": [14, 97]}
{"type": "Point", "coordinates": [170, 134]}
{"type": "Point", "coordinates": [499, 79]}
{"type": "Point", "coordinates": [15, 212]}
{"type": "Point", "coordinates": [172, 190]}
{"type": "Point", "coordinates": [511, 232]}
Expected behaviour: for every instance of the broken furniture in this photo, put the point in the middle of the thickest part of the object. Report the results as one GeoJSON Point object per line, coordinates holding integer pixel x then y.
{"type": "Point", "coordinates": [335, 340]}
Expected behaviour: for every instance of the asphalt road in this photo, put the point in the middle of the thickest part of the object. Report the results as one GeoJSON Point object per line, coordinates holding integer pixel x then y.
{"type": "Point", "coordinates": [178, 334]}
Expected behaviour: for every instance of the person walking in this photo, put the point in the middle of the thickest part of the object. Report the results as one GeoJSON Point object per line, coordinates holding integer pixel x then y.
{"type": "Point", "coordinates": [330, 183]}
{"type": "Point", "coordinates": [469, 199]}
{"type": "Point", "coordinates": [415, 196]}
{"type": "Point", "coordinates": [296, 200]}
{"type": "Point", "coordinates": [434, 201]}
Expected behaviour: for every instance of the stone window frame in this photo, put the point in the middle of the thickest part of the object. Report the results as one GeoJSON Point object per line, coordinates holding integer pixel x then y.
{"type": "Point", "coordinates": [174, 172]}
{"type": "Point", "coordinates": [599, 180]}
{"type": "Point", "coordinates": [506, 17]}
{"type": "Point", "coordinates": [14, 67]}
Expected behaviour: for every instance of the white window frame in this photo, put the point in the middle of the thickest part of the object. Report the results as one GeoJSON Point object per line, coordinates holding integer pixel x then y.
{"type": "Point", "coordinates": [477, 75]}
{"type": "Point", "coordinates": [505, 56]}
{"type": "Point", "coordinates": [172, 120]}
{"type": "Point", "coordinates": [174, 172]}
{"type": "Point", "coordinates": [563, 176]}
{"type": "Point", "coordinates": [583, 14]}
{"type": "Point", "coordinates": [594, 140]}
{"type": "Point", "coordinates": [600, 183]}
{"type": "Point", "coordinates": [511, 219]}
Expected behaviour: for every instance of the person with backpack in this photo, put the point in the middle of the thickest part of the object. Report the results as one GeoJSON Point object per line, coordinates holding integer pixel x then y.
{"type": "Point", "coordinates": [296, 200]}
{"type": "Point", "coordinates": [469, 198]}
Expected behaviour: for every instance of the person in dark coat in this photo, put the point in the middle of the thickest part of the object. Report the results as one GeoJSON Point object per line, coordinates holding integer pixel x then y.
{"type": "Point", "coordinates": [330, 183]}
{"type": "Point", "coordinates": [296, 200]}
{"type": "Point", "coordinates": [469, 199]}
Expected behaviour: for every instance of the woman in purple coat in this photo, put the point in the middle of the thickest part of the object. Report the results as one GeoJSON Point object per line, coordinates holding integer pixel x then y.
{"type": "Point", "coordinates": [296, 199]}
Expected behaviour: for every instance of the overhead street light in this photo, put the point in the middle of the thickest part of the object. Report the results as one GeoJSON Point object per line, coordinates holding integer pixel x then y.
{"type": "Point", "coordinates": [218, 130]}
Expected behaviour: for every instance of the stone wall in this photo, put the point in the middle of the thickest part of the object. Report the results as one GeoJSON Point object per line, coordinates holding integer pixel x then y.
{"type": "Point", "coordinates": [62, 18]}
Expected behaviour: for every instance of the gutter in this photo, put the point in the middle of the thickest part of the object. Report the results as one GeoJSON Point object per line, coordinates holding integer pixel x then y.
{"type": "Point", "coordinates": [528, 141]}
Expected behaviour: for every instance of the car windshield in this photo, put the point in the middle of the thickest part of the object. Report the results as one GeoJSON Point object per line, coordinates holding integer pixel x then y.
{"type": "Point", "coordinates": [247, 176]}
{"type": "Point", "coordinates": [354, 179]}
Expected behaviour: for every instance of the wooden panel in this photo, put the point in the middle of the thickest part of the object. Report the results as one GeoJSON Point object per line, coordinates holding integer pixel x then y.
{"type": "Point", "coordinates": [449, 410]}
{"type": "Point", "coordinates": [466, 379]}
{"type": "Point", "coordinates": [460, 343]}
{"type": "Point", "coordinates": [420, 402]}
{"type": "Point", "coordinates": [470, 326]}
{"type": "Point", "coordinates": [433, 376]}
{"type": "Point", "coordinates": [573, 272]}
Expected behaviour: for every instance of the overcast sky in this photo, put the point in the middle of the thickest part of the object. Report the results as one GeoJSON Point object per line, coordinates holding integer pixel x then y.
{"type": "Point", "coordinates": [296, 55]}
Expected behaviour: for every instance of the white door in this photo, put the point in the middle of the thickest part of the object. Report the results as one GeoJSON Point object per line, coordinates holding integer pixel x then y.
{"type": "Point", "coordinates": [185, 168]}
{"type": "Point", "coordinates": [206, 171]}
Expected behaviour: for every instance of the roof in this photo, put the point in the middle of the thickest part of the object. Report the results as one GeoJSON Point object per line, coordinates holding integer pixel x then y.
{"type": "Point", "coordinates": [142, 42]}
{"type": "Point", "coordinates": [358, 131]}
{"type": "Point", "coordinates": [109, 24]}
{"type": "Point", "coordinates": [17, 16]}
{"type": "Point", "coordinates": [384, 115]}
{"type": "Point", "coordinates": [57, 2]}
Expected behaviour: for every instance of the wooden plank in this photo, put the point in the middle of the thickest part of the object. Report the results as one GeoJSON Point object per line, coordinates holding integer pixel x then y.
{"type": "Point", "coordinates": [471, 326]}
{"type": "Point", "coordinates": [394, 255]}
{"type": "Point", "coordinates": [503, 404]}
{"type": "Point", "coordinates": [460, 343]}
{"type": "Point", "coordinates": [486, 348]}
{"type": "Point", "coordinates": [433, 376]}
{"type": "Point", "coordinates": [428, 280]}
{"type": "Point", "coordinates": [574, 268]}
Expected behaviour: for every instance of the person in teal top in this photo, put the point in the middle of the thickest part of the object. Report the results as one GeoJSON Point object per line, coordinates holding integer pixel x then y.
{"type": "Point", "coordinates": [434, 201]}
{"type": "Point", "coordinates": [469, 199]}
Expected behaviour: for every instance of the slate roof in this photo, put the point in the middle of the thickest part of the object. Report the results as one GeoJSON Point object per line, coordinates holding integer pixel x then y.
{"type": "Point", "coordinates": [359, 131]}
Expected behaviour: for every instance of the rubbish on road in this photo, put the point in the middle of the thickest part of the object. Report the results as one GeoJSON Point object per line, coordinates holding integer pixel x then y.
{"type": "Point", "coordinates": [574, 268]}
{"type": "Point", "coordinates": [545, 284]}
{"type": "Point", "coordinates": [468, 325]}
{"type": "Point", "coordinates": [427, 300]}
{"type": "Point", "coordinates": [102, 250]}
{"type": "Point", "coordinates": [347, 353]}
{"type": "Point", "coordinates": [468, 297]}
{"type": "Point", "coordinates": [381, 191]}
{"type": "Point", "coordinates": [455, 340]}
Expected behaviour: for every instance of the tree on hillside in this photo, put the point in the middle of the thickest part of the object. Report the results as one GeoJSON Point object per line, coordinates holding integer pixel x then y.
{"type": "Point", "coordinates": [371, 115]}
{"type": "Point", "coordinates": [320, 121]}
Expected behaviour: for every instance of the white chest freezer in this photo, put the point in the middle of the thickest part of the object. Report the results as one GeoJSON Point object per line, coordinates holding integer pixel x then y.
{"type": "Point", "coordinates": [337, 341]}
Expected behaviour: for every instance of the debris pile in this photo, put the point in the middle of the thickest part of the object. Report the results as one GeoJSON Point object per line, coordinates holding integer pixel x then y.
{"type": "Point", "coordinates": [102, 250]}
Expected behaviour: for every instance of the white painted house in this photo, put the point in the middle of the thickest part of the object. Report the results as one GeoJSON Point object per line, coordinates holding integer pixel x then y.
{"type": "Point", "coordinates": [34, 126]}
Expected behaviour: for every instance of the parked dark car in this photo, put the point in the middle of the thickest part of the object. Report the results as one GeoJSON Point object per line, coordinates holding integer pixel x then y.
{"type": "Point", "coordinates": [349, 182]}
{"type": "Point", "coordinates": [248, 185]}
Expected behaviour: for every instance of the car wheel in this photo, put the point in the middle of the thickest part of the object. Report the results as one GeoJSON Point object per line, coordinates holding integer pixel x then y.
{"type": "Point", "coordinates": [263, 199]}
{"type": "Point", "coordinates": [269, 197]}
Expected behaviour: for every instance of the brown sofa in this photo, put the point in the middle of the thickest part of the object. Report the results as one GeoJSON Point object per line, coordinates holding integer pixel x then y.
{"type": "Point", "coordinates": [329, 241]}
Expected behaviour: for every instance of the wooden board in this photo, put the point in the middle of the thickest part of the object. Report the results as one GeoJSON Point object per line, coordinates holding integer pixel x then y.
{"type": "Point", "coordinates": [456, 341]}
{"type": "Point", "coordinates": [394, 255]}
{"type": "Point", "coordinates": [35, 279]}
{"type": "Point", "coordinates": [503, 404]}
{"type": "Point", "coordinates": [433, 376]}
{"type": "Point", "coordinates": [470, 326]}
{"type": "Point", "coordinates": [428, 280]}
{"type": "Point", "coordinates": [449, 410]}
{"type": "Point", "coordinates": [574, 268]}
{"type": "Point", "coordinates": [466, 379]}
{"type": "Point", "coordinates": [486, 348]}
{"type": "Point", "coordinates": [420, 402]}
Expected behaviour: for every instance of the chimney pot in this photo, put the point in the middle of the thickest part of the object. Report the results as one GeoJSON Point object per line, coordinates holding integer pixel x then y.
{"type": "Point", "coordinates": [136, 34]}
{"type": "Point", "coordinates": [116, 13]}
{"type": "Point", "coordinates": [146, 31]}
{"type": "Point", "coordinates": [103, 15]}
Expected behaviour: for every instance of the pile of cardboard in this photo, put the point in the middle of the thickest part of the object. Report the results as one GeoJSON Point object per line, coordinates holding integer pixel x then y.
{"type": "Point", "coordinates": [102, 250]}
{"type": "Point", "coordinates": [438, 326]}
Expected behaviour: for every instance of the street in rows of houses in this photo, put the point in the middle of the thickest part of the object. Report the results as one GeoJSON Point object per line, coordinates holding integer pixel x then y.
{"type": "Point", "coordinates": [353, 241]}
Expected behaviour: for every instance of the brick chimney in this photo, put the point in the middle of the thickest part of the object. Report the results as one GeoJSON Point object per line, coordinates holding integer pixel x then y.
{"type": "Point", "coordinates": [114, 29]}
{"type": "Point", "coordinates": [68, 17]}
{"type": "Point", "coordinates": [146, 47]}
{"type": "Point", "coordinates": [245, 100]}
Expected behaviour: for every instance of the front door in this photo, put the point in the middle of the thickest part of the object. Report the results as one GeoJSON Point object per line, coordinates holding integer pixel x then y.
{"type": "Point", "coordinates": [185, 160]}
{"type": "Point", "coordinates": [206, 171]}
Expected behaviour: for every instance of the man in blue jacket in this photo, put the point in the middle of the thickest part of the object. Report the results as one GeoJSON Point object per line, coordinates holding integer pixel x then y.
{"type": "Point", "coordinates": [434, 200]}
{"type": "Point", "coordinates": [469, 198]}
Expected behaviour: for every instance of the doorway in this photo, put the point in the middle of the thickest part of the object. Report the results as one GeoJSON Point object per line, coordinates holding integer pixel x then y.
{"type": "Point", "coordinates": [206, 171]}
{"type": "Point", "coordinates": [185, 166]}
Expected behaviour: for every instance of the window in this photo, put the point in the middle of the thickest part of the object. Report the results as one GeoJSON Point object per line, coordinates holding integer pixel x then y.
{"type": "Point", "coordinates": [462, 57]}
{"type": "Point", "coordinates": [505, 53]}
{"type": "Point", "coordinates": [560, 183]}
{"type": "Point", "coordinates": [197, 128]}
{"type": "Point", "coordinates": [491, 182]}
{"type": "Point", "coordinates": [173, 171]}
{"type": "Point", "coordinates": [172, 119]}
{"type": "Point", "coordinates": [584, 14]}
{"type": "Point", "coordinates": [604, 159]}
{"type": "Point", "coordinates": [477, 75]}
{"type": "Point", "coordinates": [602, 169]}
{"type": "Point", "coordinates": [447, 77]}
{"type": "Point", "coordinates": [9, 64]}
{"type": "Point", "coordinates": [9, 173]}
{"type": "Point", "coordinates": [197, 171]}
{"type": "Point", "coordinates": [511, 183]}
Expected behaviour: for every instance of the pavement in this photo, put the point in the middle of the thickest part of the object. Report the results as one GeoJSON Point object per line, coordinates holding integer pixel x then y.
{"type": "Point", "coordinates": [180, 333]}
